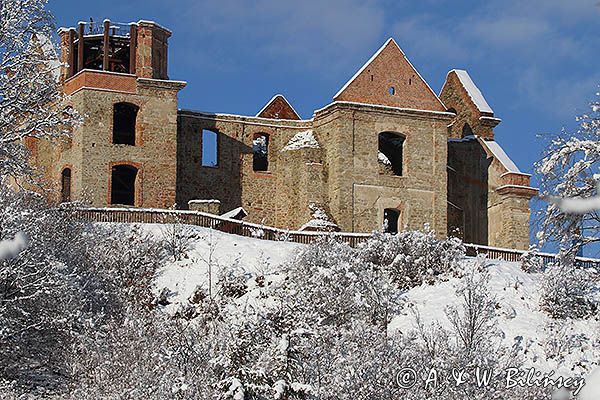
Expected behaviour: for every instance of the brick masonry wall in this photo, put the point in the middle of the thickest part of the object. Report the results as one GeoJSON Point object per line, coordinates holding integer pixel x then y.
{"type": "Point", "coordinates": [391, 69]}
{"type": "Point", "coordinates": [455, 97]}
{"type": "Point", "coordinates": [272, 197]}
{"type": "Point", "coordinates": [358, 193]}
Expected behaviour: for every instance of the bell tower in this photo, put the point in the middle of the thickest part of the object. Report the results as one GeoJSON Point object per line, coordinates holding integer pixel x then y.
{"type": "Point", "coordinates": [124, 151]}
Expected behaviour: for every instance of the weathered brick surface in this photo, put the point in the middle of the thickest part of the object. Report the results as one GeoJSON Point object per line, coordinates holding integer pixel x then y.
{"type": "Point", "coordinates": [278, 108]}
{"type": "Point", "coordinates": [391, 69]}
{"type": "Point", "coordinates": [101, 80]}
{"type": "Point", "coordinates": [456, 98]}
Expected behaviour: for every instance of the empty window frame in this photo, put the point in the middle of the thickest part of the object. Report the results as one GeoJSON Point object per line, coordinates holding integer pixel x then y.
{"type": "Point", "coordinates": [391, 144]}
{"type": "Point", "coordinates": [210, 148]}
{"type": "Point", "coordinates": [467, 131]}
{"type": "Point", "coordinates": [65, 185]}
{"type": "Point", "coordinates": [391, 216]}
{"type": "Point", "coordinates": [124, 122]}
{"type": "Point", "coordinates": [122, 189]}
{"type": "Point", "coordinates": [260, 152]}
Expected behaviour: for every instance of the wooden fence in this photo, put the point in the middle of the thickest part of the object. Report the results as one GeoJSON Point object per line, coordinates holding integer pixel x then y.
{"type": "Point", "coordinates": [242, 228]}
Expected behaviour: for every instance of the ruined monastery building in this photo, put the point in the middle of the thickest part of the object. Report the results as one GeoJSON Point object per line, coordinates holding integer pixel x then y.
{"type": "Point", "coordinates": [387, 153]}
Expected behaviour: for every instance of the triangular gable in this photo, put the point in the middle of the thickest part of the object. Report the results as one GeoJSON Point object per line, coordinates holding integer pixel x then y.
{"type": "Point", "coordinates": [278, 108]}
{"type": "Point", "coordinates": [471, 90]}
{"type": "Point", "coordinates": [389, 79]}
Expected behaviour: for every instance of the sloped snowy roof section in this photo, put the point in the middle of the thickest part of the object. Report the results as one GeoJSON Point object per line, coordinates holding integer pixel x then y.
{"type": "Point", "coordinates": [501, 156]}
{"type": "Point", "coordinates": [473, 91]}
{"type": "Point", "coordinates": [302, 140]}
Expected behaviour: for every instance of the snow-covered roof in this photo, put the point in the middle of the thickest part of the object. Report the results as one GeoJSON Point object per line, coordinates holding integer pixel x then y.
{"type": "Point", "coordinates": [236, 213]}
{"type": "Point", "coordinates": [473, 91]}
{"type": "Point", "coordinates": [302, 140]}
{"type": "Point", "coordinates": [273, 99]}
{"type": "Point", "coordinates": [204, 201]}
{"type": "Point", "coordinates": [501, 156]}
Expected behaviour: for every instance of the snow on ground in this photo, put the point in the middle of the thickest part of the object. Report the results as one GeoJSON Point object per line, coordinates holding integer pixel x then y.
{"type": "Point", "coordinates": [182, 277]}
{"type": "Point", "coordinates": [520, 322]}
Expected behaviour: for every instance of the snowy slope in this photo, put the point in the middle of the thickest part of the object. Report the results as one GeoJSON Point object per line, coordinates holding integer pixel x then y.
{"type": "Point", "coordinates": [520, 320]}
{"type": "Point", "coordinates": [182, 277]}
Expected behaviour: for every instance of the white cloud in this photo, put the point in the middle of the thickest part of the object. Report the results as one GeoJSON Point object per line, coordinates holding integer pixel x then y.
{"type": "Point", "coordinates": [541, 48]}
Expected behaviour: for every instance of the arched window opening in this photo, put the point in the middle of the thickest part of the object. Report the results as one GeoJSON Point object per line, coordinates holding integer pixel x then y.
{"type": "Point", "coordinates": [392, 90]}
{"type": "Point", "coordinates": [124, 119]}
{"type": "Point", "coordinates": [391, 145]}
{"type": "Point", "coordinates": [65, 185]}
{"type": "Point", "coordinates": [210, 154]}
{"type": "Point", "coordinates": [467, 131]}
{"type": "Point", "coordinates": [260, 152]}
{"type": "Point", "coordinates": [391, 216]}
{"type": "Point", "coordinates": [122, 189]}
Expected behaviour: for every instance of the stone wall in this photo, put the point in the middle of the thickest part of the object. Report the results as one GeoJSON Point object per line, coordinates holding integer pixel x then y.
{"type": "Point", "coordinates": [456, 98]}
{"type": "Point", "coordinates": [358, 193]}
{"type": "Point", "coordinates": [91, 154]}
{"type": "Point", "coordinates": [508, 208]}
{"type": "Point", "coordinates": [277, 197]}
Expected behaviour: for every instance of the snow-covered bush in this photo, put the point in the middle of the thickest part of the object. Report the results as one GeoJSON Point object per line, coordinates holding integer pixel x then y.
{"type": "Point", "coordinates": [48, 291]}
{"type": "Point", "coordinates": [176, 237]}
{"type": "Point", "coordinates": [568, 170]}
{"type": "Point", "coordinates": [469, 343]}
{"type": "Point", "coordinates": [472, 322]}
{"type": "Point", "coordinates": [531, 262]}
{"type": "Point", "coordinates": [414, 257]}
{"type": "Point", "coordinates": [567, 292]}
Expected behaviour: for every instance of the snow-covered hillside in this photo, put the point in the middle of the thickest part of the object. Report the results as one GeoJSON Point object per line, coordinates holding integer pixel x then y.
{"type": "Point", "coordinates": [569, 348]}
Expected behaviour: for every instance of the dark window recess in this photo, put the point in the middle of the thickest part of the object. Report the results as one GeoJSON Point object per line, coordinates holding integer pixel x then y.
{"type": "Point", "coordinates": [210, 156]}
{"type": "Point", "coordinates": [122, 189]}
{"type": "Point", "coordinates": [260, 152]}
{"type": "Point", "coordinates": [65, 184]}
{"type": "Point", "coordinates": [124, 121]}
{"type": "Point", "coordinates": [392, 91]}
{"type": "Point", "coordinates": [392, 145]}
{"type": "Point", "coordinates": [467, 131]}
{"type": "Point", "coordinates": [390, 220]}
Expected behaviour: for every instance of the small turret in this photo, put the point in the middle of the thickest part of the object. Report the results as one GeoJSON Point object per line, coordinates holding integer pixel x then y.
{"type": "Point", "coordinates": [138, 48]}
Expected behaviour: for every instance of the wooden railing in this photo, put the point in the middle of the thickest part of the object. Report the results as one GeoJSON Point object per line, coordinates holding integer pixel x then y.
{"type": "Point", "coordinates": [242, 228]}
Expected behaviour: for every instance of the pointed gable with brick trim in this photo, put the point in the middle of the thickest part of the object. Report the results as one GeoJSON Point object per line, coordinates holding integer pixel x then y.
{"type": "Point", "coordinates": [278, 108]}
{"type": "Point", "coordinates": [389, 79]}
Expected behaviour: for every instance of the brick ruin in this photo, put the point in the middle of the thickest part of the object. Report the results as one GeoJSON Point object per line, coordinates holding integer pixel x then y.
{"type": "Point", "coordinates": [387, 153]}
